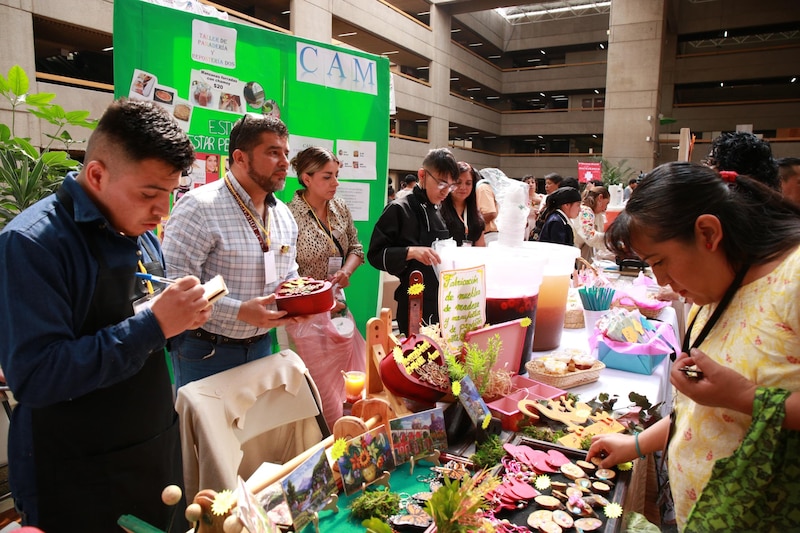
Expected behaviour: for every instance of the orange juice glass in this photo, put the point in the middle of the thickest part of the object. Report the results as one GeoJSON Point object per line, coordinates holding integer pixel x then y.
{"type": "Point", "coordinates": [354, 385]}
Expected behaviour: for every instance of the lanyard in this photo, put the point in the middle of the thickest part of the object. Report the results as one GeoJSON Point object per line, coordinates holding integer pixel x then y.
{"type": "Point", "coordinates": [713, 319]}
{"type": "Point", "coordinates": [715, 316]}
{"type": "Point", "coordinates": [328, 233]}
{"type": "Point", "coordinates": [254, 221]}
{"type": "Point", "coordinates": [143, 270]}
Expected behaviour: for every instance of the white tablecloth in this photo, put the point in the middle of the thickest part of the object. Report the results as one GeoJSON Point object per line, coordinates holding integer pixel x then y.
{"type": "Point", "coordinates": [656, 386]}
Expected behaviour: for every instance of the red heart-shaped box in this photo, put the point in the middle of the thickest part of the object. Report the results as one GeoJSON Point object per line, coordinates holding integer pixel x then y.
{"type": "Point", "coordinates": [290, 296]}
{"type": "Point", "coordinates": [401, 383]}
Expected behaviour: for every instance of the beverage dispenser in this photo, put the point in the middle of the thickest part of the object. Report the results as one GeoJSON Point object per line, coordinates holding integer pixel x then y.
{"type": "Point", "coordinates": [513, 276]}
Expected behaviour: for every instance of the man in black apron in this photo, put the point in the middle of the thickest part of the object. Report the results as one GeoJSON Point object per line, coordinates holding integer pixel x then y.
{"type": "Point", "coordinates": [94, 435]}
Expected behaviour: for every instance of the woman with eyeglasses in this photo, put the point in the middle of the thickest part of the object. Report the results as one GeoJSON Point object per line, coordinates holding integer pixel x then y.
{"type": "Point", "coordinates": [460, 209]}
{"type": "Point", "coordinates": [732, 245]}
{"type": "Point", "coordinates": [406, 230]}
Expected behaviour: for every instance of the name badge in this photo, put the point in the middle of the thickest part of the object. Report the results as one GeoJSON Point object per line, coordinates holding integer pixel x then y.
{"type": "Point", "coordinates": [145, 302]}
{"type": "Point", "coordinates": [270, 269]}
{"type": "Point", "coordinates": [334, 265]}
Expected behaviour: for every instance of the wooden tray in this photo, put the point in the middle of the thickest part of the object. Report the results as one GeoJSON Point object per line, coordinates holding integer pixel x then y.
{"type": "Point", "coordinates": [617, 495]}
{"type": "Point", "coordinates": [568, 380]}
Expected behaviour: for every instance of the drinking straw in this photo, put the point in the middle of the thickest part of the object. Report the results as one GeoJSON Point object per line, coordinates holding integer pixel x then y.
{"type": "Point", "coordinates": [596, 298]}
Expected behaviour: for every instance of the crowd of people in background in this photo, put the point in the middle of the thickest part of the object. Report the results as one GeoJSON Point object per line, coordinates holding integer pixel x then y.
{"type": "Point", "coordinates": [95, 332]}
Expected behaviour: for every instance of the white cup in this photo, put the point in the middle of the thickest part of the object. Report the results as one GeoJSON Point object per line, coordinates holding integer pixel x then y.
{"type": "Point", "coordinates": [590, 319]}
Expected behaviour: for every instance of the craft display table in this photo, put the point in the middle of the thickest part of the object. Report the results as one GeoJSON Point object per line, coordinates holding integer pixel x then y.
{"type": "Point", "coordinates": [655, 386]}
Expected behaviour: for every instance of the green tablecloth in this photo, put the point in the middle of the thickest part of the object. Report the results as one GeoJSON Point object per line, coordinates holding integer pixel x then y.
{"type": "Point", "coordinates": [401, 480]}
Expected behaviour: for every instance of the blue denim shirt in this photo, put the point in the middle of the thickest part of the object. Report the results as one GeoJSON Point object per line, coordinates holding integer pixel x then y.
{"type": "Point", "coordinates": [47, 282]}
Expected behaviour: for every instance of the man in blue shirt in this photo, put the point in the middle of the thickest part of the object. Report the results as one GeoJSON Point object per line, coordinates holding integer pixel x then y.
{"type": "Point", "coordinates": [94, 435]}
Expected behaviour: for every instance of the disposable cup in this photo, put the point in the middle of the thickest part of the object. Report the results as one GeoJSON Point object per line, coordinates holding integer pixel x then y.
{"type": "Point", "coordinates": [590, 319]}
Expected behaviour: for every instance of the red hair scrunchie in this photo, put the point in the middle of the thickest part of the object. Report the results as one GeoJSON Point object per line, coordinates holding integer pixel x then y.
{"type": "Point", "coordinates": [728, 175]}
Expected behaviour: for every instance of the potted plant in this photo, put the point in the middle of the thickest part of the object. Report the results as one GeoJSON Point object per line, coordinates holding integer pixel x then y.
{"type": "Point", "coordinates": [616, 174]}
{"type": "Point", "coordinates": [27, 173]}
{"type": "Point", "coordinates": [458, 506]}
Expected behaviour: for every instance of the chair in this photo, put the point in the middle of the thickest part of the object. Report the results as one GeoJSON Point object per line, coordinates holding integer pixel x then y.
{"type": "Point", "coordinates": [5, 398]}
{"type": "Point", "coordinates": [267, 410]}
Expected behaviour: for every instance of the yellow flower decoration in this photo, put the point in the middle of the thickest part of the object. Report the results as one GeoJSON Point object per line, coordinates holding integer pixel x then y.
{"type": "Point", "coordinates": [625, 466]}
{"type": "Point", "coordinates": [223, 502]}
{"type": "Point", "coordinates": [542, 482]}
{"type": "Point", "coordinates": [486, 420]}
{"type": "Point", "coordinates": [397, 352]}
{"type": "Point", "coordinates": [525, 322]}
{"type": "Point", "coordinates": [456, 388]}
{"type": "Point", "coordinates": [338, 448]}
{"type": "Point", "coordinates": [613, 510]}
{"type": "Point", "coordinates": [416, 289]}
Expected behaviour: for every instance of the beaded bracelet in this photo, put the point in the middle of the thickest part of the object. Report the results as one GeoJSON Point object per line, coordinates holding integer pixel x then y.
{"type": "Point", "coordinates": [638, 450]}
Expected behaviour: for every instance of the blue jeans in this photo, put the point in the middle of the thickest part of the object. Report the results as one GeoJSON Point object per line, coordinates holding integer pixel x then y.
{"type": "Point", "coordinates": [194, 359]}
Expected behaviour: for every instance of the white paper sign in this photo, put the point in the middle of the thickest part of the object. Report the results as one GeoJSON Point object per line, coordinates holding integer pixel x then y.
{"type": "Point", "coordinates": [213, 44]}
{"type": "Point", "coordinates": [462, 302]}
{"type": "Point", "coordinates": [358, 159]}
{"type": "Point", "coordinates": [356, 195]}
{"type": "Point", "coordinates": [216, 91]}
{"type": "Point", "coordinates": [298, 143]}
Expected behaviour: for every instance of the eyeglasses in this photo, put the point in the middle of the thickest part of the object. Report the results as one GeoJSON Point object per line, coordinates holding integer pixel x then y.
{"type": "Point", "coordinates": [442, 185]}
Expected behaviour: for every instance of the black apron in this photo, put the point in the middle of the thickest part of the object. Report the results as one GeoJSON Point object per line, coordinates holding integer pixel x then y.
{"type": "Point", "coordinates": [110, 452]}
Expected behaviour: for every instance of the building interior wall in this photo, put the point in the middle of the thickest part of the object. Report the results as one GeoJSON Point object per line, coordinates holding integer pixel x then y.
{"type": "Point", "coordinates": [661, 67]}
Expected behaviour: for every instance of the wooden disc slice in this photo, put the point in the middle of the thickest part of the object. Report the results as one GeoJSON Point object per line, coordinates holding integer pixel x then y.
{"type": "Point", "coordinates": [601, 487]}
{"type": "Point", "coordinates": [588, 524]}
{"type": "Point", "coordinates": [547, 502]}
{"type": "Point", "coordinates": [572, 471]}
{"type": "Point", "coordinates": [563, 519]}
{"type": "Point", "coordinates": [605, 473]}
{"type": "Point", "coordinates": [550, 527]}
{"type": "Point", "coordinates": [536, 518]}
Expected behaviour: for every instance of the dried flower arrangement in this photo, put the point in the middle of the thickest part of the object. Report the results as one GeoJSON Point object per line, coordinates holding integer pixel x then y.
{"type": "Point", "coordinates": [475, 362]}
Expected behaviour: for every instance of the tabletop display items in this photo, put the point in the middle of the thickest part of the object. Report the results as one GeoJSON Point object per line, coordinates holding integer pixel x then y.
{"type": "Point", "coordinates": [365, 459]}
{"type": "Point", "coordinates": [640, 295]}
{"type": "Point", "coordinates": [251, 513]}
{"type": "Point", "coordinates": [418, 435]}
{"type": "Point", "coordinates": [304, 296]}
{"type": "Point", "coordinates": [552, 488]}
{"type": "Point", "coordinates": [565, 368]}
{"type": "Point", "coordinates": [625, 340]}
{"type": "Point", "coordinates": [310, 488]}
{"type": "Point", "coordinates": [580, 423]}
{"type": "Point", "coordinates": [416, 370]}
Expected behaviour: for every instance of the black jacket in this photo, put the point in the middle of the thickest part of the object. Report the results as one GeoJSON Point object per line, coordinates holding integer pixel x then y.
{"type": "Point", "coordinates": [408, 221]}
{"type": "Point", "coordinates": [558, 230]}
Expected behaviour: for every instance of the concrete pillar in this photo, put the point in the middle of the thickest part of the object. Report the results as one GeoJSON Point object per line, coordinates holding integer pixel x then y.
{"type": "Point", "coordinates": [439, 123]}
{"type": "Point", "coordinates": [18, 50]}
{"type": "Point", "coordinates": [311, 19]}
{"type": "Point", "coordinates": [633, 82]}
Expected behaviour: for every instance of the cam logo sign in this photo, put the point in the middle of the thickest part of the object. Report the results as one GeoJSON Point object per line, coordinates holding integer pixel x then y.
{"type": "Point", "coordinates": [335, 69]}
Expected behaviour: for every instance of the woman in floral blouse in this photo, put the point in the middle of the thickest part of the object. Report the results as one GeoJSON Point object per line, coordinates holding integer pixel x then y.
{"type": "Point", "coordinates": [589, 224]}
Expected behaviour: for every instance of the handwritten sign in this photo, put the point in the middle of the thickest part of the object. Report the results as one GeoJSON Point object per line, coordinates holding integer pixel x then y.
{"type": "Point", "coordinates": [462, 302]}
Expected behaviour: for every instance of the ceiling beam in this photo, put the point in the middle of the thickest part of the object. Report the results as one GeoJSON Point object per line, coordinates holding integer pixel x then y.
{"type": "Point", "coordinates": [457, 7]}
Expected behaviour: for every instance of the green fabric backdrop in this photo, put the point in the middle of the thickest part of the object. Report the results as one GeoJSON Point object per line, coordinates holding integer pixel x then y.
{"type": "Point", "coordinates": [323, 92]}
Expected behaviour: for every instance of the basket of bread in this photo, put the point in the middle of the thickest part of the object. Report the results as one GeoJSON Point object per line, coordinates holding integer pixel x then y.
{"type": "Point", "coordinates": [565, 369]}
